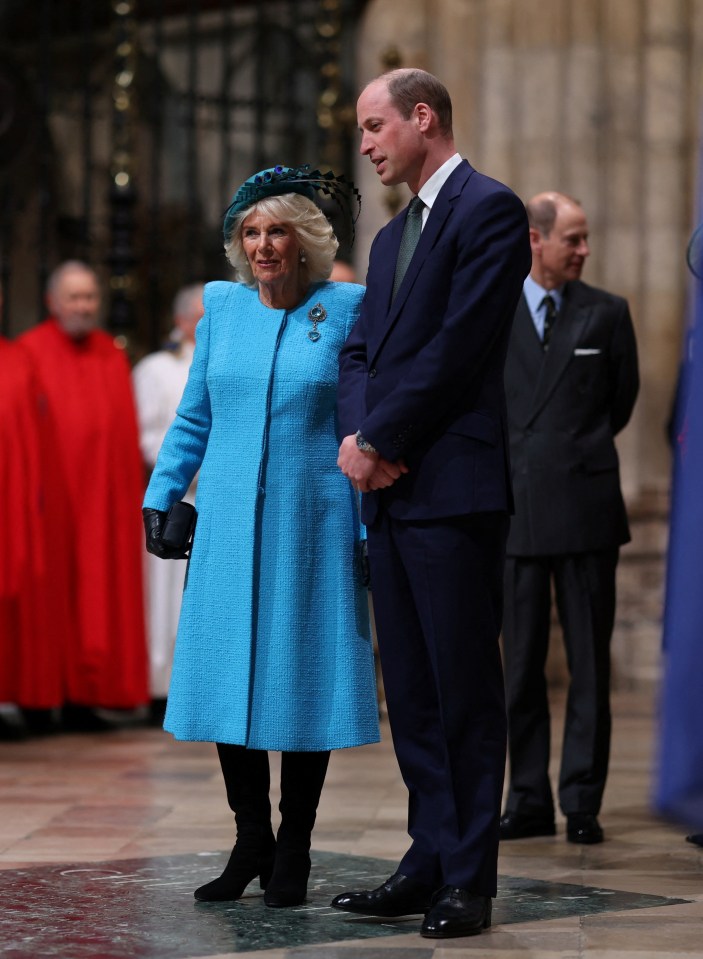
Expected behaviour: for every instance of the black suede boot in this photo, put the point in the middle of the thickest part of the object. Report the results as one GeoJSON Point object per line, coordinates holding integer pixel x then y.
{"type": "Point", "coordinates": [302, 778]}
{"type": "Point", "coordinates": [246, 775]}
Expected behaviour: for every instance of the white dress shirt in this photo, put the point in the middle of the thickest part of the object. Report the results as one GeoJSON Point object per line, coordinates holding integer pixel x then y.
{"type": "Point", "coordinates": [429, 190]}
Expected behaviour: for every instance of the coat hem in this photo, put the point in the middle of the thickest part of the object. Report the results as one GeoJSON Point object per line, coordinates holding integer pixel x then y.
{"type": "Point", "coordinates": [278, 746]}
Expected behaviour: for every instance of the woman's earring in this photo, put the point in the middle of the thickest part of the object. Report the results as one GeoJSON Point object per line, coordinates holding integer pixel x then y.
{"type": "Point", "coordinates": [302, 256]}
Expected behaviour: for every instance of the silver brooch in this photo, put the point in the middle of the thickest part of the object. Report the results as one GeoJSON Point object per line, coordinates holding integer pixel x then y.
{"type": "Point", "coordinates": [316, 315]}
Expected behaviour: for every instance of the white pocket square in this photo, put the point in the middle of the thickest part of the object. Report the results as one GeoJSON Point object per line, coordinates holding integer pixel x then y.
{"type": "Point", "coordinates": [586, 352]}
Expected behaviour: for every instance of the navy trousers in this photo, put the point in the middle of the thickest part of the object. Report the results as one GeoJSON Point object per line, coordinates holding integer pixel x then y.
{"type": "Point", "coordinates": [437, 590]}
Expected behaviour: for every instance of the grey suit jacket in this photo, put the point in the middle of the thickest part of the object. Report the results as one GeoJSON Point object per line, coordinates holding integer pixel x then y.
{"type": "Point", "coordinates": [564, 408]}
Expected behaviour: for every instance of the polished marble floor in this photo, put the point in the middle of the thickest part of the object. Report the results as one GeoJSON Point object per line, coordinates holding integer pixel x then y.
{"type": "Point", "coordinates": [103, 836]}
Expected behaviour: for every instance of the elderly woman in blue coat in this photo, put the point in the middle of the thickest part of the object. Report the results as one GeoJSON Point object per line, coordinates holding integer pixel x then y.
{"type": "Point", "coordinates": [273, 649]}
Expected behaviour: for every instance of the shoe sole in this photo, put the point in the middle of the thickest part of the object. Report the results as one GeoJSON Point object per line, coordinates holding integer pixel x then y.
{"type": "Point", "coordinates": [452, 935]}
{"type": "Point", "coordinates": [458, 935]}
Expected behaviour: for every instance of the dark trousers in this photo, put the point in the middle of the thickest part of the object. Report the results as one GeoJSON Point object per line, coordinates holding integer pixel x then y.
{"type": "Point", "coordinates": [584, 586]}
{"type": "Point", "coordinates": [437, 591]}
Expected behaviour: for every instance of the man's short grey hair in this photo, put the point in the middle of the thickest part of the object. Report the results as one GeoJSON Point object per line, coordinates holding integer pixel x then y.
{"type": "Point", "coordinates": [68, 266]}
{"type": "Point", "coordinates": [310, 225]}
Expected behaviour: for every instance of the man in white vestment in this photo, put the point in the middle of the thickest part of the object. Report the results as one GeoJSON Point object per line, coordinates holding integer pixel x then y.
{"type": "Point", "coordinates": [159, 380]}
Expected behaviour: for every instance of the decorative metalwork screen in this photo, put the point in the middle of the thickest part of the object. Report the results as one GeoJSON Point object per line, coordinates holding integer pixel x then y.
{"type": "Point", "coordinates": [125, 126]}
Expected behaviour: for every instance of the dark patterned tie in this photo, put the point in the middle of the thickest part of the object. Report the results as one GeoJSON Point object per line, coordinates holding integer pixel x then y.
{"type": "Point", "coordinates": [408, 241]}
{"type": "Point", "coordinates": [550, 315]}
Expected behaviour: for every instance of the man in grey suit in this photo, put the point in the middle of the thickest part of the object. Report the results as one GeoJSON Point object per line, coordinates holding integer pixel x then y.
{"type": "Point", "coordinates": [571, 382]}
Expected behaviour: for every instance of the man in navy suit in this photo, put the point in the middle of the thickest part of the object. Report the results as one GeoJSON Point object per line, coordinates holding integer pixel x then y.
{"type": "Point", "coordinates": [422, 412]}
{"type": "Point", "coordinates": [571, 381]}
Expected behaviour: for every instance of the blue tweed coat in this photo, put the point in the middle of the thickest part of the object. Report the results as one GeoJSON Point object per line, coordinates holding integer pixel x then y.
{"type": "Point", "coordinates": [273, 647]}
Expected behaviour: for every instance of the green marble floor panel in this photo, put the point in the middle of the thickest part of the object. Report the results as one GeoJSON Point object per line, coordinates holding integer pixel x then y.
{"type": "Point", "coordinates": [144, 909]}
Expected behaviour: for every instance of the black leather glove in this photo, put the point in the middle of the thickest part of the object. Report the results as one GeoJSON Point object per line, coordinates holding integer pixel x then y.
{"type": "Point", "coordinates": [154, 520]}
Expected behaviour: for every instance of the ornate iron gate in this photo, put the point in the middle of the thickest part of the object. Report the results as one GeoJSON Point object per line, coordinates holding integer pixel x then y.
{"type": "Point", "coordinates": [126, 124]}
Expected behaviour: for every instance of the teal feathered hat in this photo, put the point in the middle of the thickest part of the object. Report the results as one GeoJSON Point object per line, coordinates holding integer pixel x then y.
{"type": "Point", "coordinates": [284, 179]}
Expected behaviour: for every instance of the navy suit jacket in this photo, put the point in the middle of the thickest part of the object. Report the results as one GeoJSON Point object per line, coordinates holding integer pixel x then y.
{"type": "Point", "coordinates": [422, 376]}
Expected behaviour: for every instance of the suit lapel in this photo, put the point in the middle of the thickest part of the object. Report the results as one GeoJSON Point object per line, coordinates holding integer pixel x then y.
{"type": "Point", "coordinates": [526, 342]}
{"type": "Point", "coordinates": [441, 210]}
{"type": "Point", "coordinates": [569, 329]}
{"type": "Point", "coordinates": [526, 357]}
{"type": "Point", "coordinates": [392, 246]}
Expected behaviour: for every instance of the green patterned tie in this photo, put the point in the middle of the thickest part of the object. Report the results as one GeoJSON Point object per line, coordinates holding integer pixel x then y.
{"type": "Point", "coordinates": [408, 241]}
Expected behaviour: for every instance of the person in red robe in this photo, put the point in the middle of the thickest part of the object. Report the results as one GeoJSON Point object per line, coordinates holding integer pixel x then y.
{"type": "Point", "coordinates": [32, 610]}
{"type": "Point", "coordinates": [96, 491]}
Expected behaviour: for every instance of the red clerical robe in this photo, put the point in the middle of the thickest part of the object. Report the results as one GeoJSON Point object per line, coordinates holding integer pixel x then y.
{"type": "Point", "coordinates": [98, 474]}
{"type": "Point", "coordinates": [32, 609]}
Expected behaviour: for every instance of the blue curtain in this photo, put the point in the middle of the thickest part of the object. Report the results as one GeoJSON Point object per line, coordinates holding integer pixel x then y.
{"type": "Point", "coordinates": [679, 775]}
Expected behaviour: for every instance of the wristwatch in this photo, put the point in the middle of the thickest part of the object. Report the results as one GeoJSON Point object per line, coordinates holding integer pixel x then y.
{"type": "Point", "coordinates": [363, 444]}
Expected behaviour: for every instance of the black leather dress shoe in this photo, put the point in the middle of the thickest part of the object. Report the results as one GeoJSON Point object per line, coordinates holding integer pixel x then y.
{"type": "Point", "coordinates": [456, 912]}
{"type": "Point", "coordinates": [398, 896]}
{"type": "Point", "coordinates": [516, 825]}
{"type": "Point", "coordinates": [583, 827]}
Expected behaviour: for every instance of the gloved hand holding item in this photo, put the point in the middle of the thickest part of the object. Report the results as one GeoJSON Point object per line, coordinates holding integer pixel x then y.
{"type": "Point", "coordinates": [169, 535]}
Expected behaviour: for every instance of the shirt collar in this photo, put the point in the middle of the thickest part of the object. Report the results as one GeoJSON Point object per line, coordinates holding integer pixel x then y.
{"type": "Point", "coordinates": [534, 294]}
{"type": "Point", "coordinates": [429, 190]}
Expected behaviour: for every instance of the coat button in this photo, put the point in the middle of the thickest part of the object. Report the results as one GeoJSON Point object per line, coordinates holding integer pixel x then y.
{"type": "Point", "coordinates": [372, 373]}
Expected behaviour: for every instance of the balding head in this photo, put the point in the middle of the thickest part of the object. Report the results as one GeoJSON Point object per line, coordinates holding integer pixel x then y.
{"type": "Point", "coordinates": [187, 310]}
{"type": "Point", "coordinates": [558, 237]}
{"type": "Point", "coordinates": [542, 209]}
{"type": "Point", "coordinates": [73, 297]}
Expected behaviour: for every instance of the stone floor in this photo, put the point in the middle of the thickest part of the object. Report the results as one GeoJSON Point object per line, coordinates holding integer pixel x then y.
{"type": "Point", "coordinates": [103, 837]}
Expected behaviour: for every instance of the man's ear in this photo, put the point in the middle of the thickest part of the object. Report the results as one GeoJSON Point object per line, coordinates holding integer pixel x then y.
{"type": "Point", "coordinates": [423, 116]}
{"type": "Point", "coordinates": [536, 239]}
